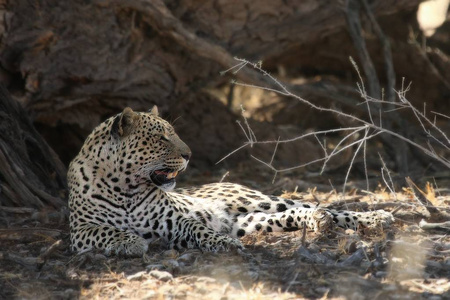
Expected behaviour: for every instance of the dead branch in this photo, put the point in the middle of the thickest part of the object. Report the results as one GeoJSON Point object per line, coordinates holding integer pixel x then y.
{"type": "Point", "coordinates": [443, 226]}
{"type": "Point", "coordinates": [49, 251]}
{"type": "Point", "coordinates": [303, 239]}
{"type": "Point", "coordinates": [355, 259]}
{"type": "Point", "coordinates": [378, 263]}
{"type": "Point", "coordinates": [30, 263]}
{"type": "Point", "coordinates": [33, 263]}
{"type": "Point", "coordinates": [28, 234]}
{"type": "Point", "coordinates": [17, 210]}
{"type": "Point", "coordinates": [306, 255]}
{"type": "Point", "coordinates": [367, 126]}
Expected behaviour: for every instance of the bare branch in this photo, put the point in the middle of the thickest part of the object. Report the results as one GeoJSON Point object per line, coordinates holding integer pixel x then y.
{"type": "Point", "coordinates": [360, 143]}
{"type": "Point", "coordinates": [439, 114]}
{"type": "Point", "coordinates": [333, 153]}
{"type": "Point", "coordinates": [286, 92]}
{"type": "Point", "coordinates": [389, 185]}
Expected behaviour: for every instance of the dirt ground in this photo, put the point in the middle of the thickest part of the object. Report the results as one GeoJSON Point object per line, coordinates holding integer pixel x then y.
{"type": "Point", "coordinates": [406, 261]}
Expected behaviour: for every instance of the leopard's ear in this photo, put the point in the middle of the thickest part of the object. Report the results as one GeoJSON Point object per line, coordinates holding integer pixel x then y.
{"type": "Point", "coordinates": [154, 111]}
{"type": "Point", "coordinates": [124, 123]}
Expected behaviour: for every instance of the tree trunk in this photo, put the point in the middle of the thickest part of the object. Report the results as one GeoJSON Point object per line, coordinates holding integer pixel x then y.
{"type": "Point", "coordinates": [72, 63]}
{"type": "Point", "coordinates": [31, 174]}
{"type": "Point", "coordinates": [85, 61]}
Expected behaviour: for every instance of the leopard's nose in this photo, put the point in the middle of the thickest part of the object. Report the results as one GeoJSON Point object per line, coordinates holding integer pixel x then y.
{"type": "Point", "coordinates": [186, 156]}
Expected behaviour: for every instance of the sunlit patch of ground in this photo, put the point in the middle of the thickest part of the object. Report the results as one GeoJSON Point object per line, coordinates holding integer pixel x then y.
{"type": "Point", "coordinates": [404, 261]}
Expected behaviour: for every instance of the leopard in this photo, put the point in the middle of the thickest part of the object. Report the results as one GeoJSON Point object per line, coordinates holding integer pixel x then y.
{"type": "Point", "coordinates": [122, 196]}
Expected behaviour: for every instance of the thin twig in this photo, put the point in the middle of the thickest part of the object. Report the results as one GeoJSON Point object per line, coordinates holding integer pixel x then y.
{"type": "Point", "coordinates": [224, 175]}
{"type": "Point", "coordinates": [366, 173]}
{"type": "Point", "coordinates": [333, 153]}
{"type": "Point", "coordinates": [303, 240]}
{"type": "Point", "coordinates": [439, 114]}
{"type": "Point", "coordinates": [384, 167]}
{"type": "Point", "coordinates": [353, 159]}
{"type": "Point", "coordinates": [285, 92]}
{"type": "Point", "coordinates": [313, 161]}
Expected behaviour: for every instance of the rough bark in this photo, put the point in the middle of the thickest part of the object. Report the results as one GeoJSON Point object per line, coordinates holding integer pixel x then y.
{"type": "Point", "coordinates": [85, 60]}
{"type": "Point", "coordinates": [31, 174]}
{"type": "Point", "coordinates": [73, 63]}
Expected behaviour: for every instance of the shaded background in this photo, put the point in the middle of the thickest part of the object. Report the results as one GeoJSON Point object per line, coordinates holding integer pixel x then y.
{"type": "Point", "coordinates": [72, 64]}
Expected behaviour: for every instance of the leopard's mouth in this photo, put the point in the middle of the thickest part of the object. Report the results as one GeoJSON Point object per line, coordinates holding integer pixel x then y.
{"type": "Point", "coordinates": [163, 177]}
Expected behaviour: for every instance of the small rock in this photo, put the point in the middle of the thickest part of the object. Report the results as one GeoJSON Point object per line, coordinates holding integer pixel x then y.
{"type": "Point", "coordinates": [154, 267]}
{"type": "Point", "coordinates": [161, 275]}
{"type": "Point", "coordinates": [413, 228]}
{"type": "Point", "coordinates": [170, 254]}
{"type": "Point", "coordinates": [206, 279]}
{"type": "Point", "coordinates": [322, 290]}
{"type": "Point", "coordinates": [69, 293]}
{"type": "Point", "coordinates": [171, 265]}
{"type": "Point", "coordinates": [305, 254]}
{"type": "Point", "coordinates": [188, 257]}
{"type": "Point", "coordinates": [314, 248]}
{"type": "Point", "coordinates": [99, 257]}
{"type": "Point", "coordinates": [433, 297]}
{"type": "Point", "coordinates": [234, 270]}
{"type": "Point", "coordinates": [434, 264]}
{"type": "Point", "coordinates": [351, 247]}
{"type": "Point", "coordinates": [331, 255]}
{"type": "Point", "coordinates": [447, 261]}
{"type": "Point", "coordinates": [137, 276]}
{"type": "Point", "coordinates": [357, 296]}
{"type": "Point", "coordinates": [253, 275]}
{"type": "Point", "coordinates": [381, 274]}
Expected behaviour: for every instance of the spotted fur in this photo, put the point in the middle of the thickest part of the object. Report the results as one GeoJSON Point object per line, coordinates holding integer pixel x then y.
{"type": "Point", "coordinates": [121, 196]}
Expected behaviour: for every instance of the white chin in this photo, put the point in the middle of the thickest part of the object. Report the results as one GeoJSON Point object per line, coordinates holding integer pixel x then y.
{"type": "Point", "coordinates": [168, 186]}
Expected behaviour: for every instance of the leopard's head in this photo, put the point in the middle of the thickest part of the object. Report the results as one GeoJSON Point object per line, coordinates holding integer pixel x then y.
{"type": "Point", "coordinates": [148, 148]}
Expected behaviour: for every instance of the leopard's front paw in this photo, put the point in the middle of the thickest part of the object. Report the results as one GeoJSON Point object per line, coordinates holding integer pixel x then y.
{"type": "Point", "coordinates": [221, 243]}
{"type": "Point", "coordinates": [133, 246]}
{"type": "Point", "coordinates": [323, 220]}
{"type": "Point", "coordinates": [381, 218]}
{"type": "Point", "coordinates": [234, 244]}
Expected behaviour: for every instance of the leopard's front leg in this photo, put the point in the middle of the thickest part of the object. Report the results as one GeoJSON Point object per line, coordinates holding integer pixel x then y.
{"type": "Point", "coordinates": [191, 233]}
{"type": "Point", "coordinates": [111, 240]}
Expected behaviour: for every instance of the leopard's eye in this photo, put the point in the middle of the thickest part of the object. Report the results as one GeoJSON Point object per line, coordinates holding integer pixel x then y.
{"type": "Point", "coordinates": [164, 137]}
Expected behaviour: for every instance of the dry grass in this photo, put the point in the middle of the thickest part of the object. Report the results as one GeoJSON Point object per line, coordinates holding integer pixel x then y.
{"type": "Point", "coordinates": [399, 262]}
